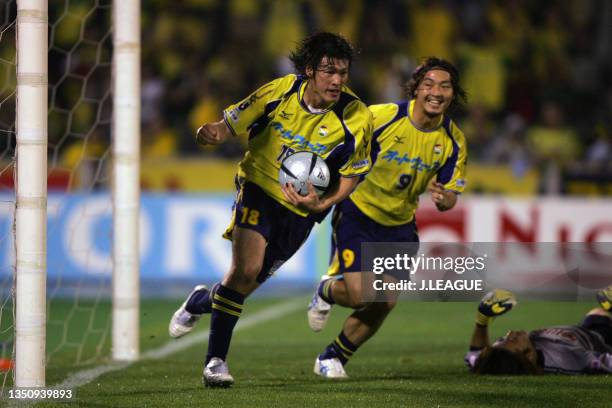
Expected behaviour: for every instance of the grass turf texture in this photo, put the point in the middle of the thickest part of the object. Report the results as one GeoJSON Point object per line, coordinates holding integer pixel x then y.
{"type": "Point", "coordinates": [415, 360]}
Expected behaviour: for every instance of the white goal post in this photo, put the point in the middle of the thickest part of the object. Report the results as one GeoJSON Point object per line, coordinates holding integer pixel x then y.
{"type": "Point", "coordinates": [126, 178]}
{"type": "Point", "coordinates": [31, 194]}
{"type": "Point", "coordinates": [30, 274]}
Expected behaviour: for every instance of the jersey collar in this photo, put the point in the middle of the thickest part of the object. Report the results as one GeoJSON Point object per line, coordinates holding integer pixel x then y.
{"type": "Point", "coordinates": [410, 109]}
{"type": "Point", "coordinates": [304, 105]}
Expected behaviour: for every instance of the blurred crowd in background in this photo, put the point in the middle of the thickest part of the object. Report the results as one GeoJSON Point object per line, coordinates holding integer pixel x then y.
{"type": "Point", "coordinates": [538, 74]}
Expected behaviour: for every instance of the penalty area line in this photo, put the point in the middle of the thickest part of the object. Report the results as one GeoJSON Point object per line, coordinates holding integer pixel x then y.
{"type": "Point", "coordinates": [84, 377]}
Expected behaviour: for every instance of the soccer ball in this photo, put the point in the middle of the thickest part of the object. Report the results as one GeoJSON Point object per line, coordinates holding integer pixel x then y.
{"type": "Point", "coordinates": [301, 167]}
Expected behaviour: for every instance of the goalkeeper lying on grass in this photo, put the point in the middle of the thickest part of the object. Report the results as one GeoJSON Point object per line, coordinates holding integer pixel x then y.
{"type": "Point", "coordinates": [582, 349]}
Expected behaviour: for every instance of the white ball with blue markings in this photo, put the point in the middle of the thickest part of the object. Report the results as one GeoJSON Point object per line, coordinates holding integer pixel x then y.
{"type": "Point", "coordinates": [301, 167]}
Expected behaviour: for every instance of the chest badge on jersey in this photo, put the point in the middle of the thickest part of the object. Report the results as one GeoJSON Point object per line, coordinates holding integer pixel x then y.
{"type": "Point", "coordinates": [438, 149]}
{"type": "Point", "coordinates": [398, 139]}
{"type": "Point", "coordinates": [323, 131]}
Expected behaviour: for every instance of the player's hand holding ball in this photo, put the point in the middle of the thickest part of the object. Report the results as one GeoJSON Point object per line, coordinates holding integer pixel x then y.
{"type": "Point", "coordinates": [304, 178]}
{"type": "Point", "coordinates": [309, 202]}
{"type": "Point", "coordinates": [493, 304]}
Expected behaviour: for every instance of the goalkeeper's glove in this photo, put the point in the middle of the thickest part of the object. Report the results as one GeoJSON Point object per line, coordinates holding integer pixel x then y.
{"type": "Point", "coordinates": [493, 304]}
{"type": "Point", "coordinates": [604, 297]}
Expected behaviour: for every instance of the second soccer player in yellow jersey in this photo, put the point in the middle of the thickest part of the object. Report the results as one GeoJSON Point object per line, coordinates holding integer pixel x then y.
{"type": "Point", "coordinates": [415, 147]}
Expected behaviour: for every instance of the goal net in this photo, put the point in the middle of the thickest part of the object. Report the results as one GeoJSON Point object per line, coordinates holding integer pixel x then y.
{"type": "Point", "coordinates": [80, 202]}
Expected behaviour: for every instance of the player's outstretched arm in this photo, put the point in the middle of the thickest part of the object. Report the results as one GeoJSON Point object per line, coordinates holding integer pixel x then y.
{"type": "Point", "coordinates": [443, 199]}
{"type": "Point", "coordinates": [493, 304]}
{"type": "Point", "coordinates": [212, 133]}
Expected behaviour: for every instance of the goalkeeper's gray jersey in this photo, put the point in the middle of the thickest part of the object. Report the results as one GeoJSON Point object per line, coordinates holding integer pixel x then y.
{"type": "Point", "coordinates": [566, 349]}
{"type": "Point", "coordinates": [572, 350]}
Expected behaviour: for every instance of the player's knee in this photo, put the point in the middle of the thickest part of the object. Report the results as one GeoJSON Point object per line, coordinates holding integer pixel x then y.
{"type": "Point", "coordinates": [383, 307]}
{"type": "Point", "coordinates": [355, 301]}
{"type": "Point", "coordinates": [354, 296]}
{"type": "Point", "coordinates": [244, 276]}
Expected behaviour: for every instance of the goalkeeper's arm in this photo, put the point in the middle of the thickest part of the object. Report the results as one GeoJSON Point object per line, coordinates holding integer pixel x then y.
{"type": "Point", "coordinates": [480, 337]}
{"type": "Point", "coordinates": [493, 304]}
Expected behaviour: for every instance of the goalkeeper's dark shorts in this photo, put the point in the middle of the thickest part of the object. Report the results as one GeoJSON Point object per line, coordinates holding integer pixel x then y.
{"type": "Point", "coordinates": [599, 324]}
{"type": "Point", "coordinates": [284, 230]}
{"type": "Point", "coordinates": [351, 228]}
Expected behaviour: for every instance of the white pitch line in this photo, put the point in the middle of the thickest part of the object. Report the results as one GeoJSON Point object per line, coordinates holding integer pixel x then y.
{"type": "Point", "coordinates": [185, 342]}
{"type": "Point", "coordinates": [84, 377]}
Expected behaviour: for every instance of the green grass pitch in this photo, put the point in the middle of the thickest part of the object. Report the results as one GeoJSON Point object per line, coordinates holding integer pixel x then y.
{"type": "Point", "coordinates": [416, 360]}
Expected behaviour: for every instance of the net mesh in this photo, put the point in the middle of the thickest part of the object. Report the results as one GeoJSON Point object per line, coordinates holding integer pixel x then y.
{"type": "Point", "coordinates": [79, 205]}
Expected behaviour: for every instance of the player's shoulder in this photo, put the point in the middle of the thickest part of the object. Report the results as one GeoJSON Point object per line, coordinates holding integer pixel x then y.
{"type": "Point", "coordinates": [453, 130]}
{"type": "Point", "coordinates": [349, 98]}
{"type": "Point", "coordinates": [288, 80]}
{"type": "Point", "coordinates": [276, 89]}
{"type": "Point", "coordinates": [350, 106]}
{"type": "Point", "coordinates": [384, 109]}
{"type": "Point", "coordinates": [349, 94]}
{"type": "Point", "coordinates": [283, 85]}
{"type": "Point", "coordinates": [385, 112]}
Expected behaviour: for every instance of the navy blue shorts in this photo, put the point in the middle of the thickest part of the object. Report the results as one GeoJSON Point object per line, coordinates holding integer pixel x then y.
{"type": "Point", "coordinates": [599, 324]}
{"type": "Point", "coordinates": [284, 230]}
{"type": "Point", "coordinates": [351, 228]}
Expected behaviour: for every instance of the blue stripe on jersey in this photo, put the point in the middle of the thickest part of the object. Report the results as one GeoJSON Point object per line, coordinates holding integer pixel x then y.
{"type": "Point", "coordinates": [229, 126]}
{"type": "Point", "coordinates": [340, 155]}
{"type": "Point", "coordinates": [296, 85]}
{"type": "Point", "coordinates": [445, 174]}
{"type": "Point", "coordinates": [260, 123]}
{"type": "Point", "coordinates": [402, 112]}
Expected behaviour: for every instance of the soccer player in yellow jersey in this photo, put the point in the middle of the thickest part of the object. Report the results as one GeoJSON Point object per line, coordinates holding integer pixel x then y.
{"type": "Point", "coordinates": [312, 111]}
{"type": "Point", "coordinates": [415, 147]}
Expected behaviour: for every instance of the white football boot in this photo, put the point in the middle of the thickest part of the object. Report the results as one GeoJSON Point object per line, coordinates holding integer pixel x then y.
{"type": "Point", "coordinates": [182, 321]}
{"type": "Point", "coordinates": [329, 368]}
{"type": "Point", "coordinates": [216, 374]}
{"type": "Point", "coordinates": [318, 310]}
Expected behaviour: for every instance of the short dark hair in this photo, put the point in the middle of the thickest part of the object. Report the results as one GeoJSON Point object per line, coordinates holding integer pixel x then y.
{"type": "Point", "coordinates": [499, 361]}
{"type": "Point", "coordinates": [427, 65]}
{"type": "Point", "coordinates": [312, 49]}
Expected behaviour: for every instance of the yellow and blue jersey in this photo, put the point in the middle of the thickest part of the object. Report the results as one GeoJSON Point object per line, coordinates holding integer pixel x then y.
{"type": "Point", "coordinates": [278, 123]}
{"type": "Point", "coordinates": [404, 161]}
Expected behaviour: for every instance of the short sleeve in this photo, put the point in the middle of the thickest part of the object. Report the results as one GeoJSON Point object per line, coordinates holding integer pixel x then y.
{"type": "Point", "coordinates": [453, 172]}
{"type": "Point", "coordinates": [471, 357]}
{"type": "Point", "coordinates": [240, 116]}
{"type": "Point", "coordinates": [357, 120]}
